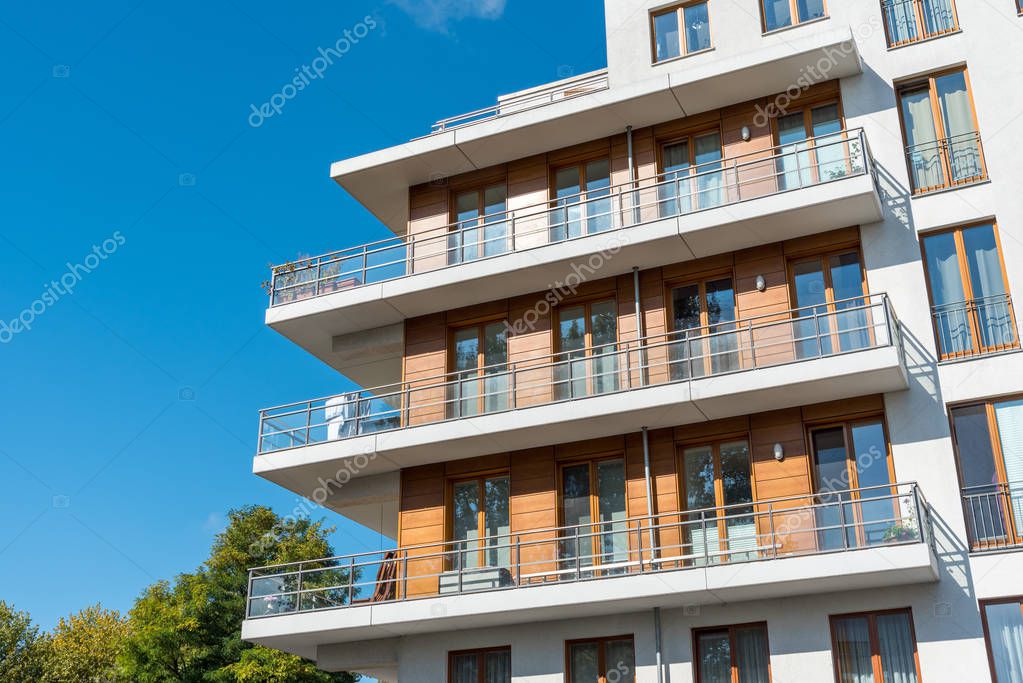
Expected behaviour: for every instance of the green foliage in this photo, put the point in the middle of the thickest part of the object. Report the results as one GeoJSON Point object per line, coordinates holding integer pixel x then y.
{"type": "Point", "coordinates": [85, 647]}
{"type": "Point", "coordinates": [263, 665]}
{"type": "Point", "coordinates": [21, 647]}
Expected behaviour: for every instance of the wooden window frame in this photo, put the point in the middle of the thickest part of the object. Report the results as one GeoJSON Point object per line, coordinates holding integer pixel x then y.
{"type": "Point", "coordinates": [921, 22]}
{"type": "Point", "coordinates": [480, 479]}
{"type": "Point", "coordinates": [587, 350]}
{"type": "Point", "coordinates": [591, 462]}
{"type": "Point", "coordinates": [1013, 527]}
{"type": "Point", "coordinates": [455, 225]}
{"type": "Point", "coordinates": [847, 426]}
{"type": "Point", "coordinates": [928, 82]}
{"type": "Point", "coordinates": [481, 655]}
{"type": "Point", "coordinates": [807, 107]}
{"type": "Point", "coordinates": [693, 172]}
{"type": "Point", "coordinates": [601, 655]}
{"type": "Point", "coordinates": [701, 284]}
{"type": "Point", "coordinates": [976, 347]}
{"type": "Point", "coordinates": [481, 327]}
{"type": "Point", "coordinates": [554, 202]}
{"type": "Point", "coordinates": [719, 488]}
{"type": "Point", "coordinates": [984, 604]}
{"type": "Point", "coordinates": [824, 258]}
{"type": "Point", "coordinates": [730, 630]}
{"type": "Point", "coordinates": [679, 10]}
{"type": "Point", "coordinates": [875, 647]}
{"type": "Point", "coordinates": [794, 13]}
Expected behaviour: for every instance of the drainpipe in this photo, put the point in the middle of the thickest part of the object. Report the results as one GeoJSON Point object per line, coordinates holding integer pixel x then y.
{"type": "Point", "coordinates": [632, 177]}
{"type": "Point", "coordinates": [649, 491]}
{"type": "Point", "coordinates": [641, 355]}
{"type": "Point", "coordinates": [657, 645]}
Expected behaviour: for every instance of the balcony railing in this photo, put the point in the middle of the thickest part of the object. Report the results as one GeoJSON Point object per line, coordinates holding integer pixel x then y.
{"type": "Point", "coordinates": [975, 327]}
{"type": "Point", "coordinates": [910, 21]}
{"type": "Point", "coordinates": [812, 524]}
{"type": "Point", "coordinates": [946, 163]}
{"type": "Point", "coordinates": [533, 99]}
{"type": "Point", "coordinates": [802, 334]}
{"type": "Point", "coordinates": [994, 516]}
{"type": "Point", "coordinates": [706, 186]}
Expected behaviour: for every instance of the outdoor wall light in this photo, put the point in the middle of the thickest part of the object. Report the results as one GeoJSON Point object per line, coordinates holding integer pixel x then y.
{"type": "Point", "coordinates": [779, 452]}
{"type": "Point", "coordinates": [746, 135]}
{"type": "Point", "coordinates": [761, 283]}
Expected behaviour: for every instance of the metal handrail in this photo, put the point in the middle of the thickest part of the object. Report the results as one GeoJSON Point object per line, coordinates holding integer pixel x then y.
{"type": "Point", "coordinates": [768, 340]}
{"type": "Point", "coordinates": [818, 523]}
{"type": "Point", "coordinates": [942, 19]}
{"type": "Point", "coordinates": [706, 186]}
{"type": "Point", "coordinates": [975, 326]}
{"type": "Point", "coordinates": [994, 516]}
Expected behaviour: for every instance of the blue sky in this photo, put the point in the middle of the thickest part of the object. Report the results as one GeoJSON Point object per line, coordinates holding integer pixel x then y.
{"type": "Point", "coordinates": [130, 410]}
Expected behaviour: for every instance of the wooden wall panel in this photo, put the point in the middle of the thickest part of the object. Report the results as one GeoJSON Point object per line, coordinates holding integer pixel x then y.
{"type": "Point", "coordinates": [422, 521]}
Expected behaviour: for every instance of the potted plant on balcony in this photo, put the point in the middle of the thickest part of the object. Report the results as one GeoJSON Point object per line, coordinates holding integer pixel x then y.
{"type": "Point", "coordinates": [900, 533]}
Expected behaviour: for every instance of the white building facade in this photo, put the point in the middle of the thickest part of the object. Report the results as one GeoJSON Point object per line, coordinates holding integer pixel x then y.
{"type": "Point", "coordinates": [703, 367]}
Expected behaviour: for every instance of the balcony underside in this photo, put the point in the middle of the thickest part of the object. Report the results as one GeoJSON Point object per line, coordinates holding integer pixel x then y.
{"type": "Point", "coordinates": [310, 634]}
{"type": "Point", "coordinates": [379, 180]}
{"type": "Point", "coordinates": [337, 321]}
{"type": "Point", "coordinates": [873, 371]}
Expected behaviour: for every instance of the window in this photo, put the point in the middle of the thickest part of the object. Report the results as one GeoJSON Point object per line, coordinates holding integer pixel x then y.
{"type": "Point", "coordinates": [875, 647]}
{"type": "Point", "coordinates": [481, 224]}
{"type": "Point", "coordinates": [970, 304]}
{"type": "Point", "coordinates": [582, 200]}
{"type": "Point", "coordinates": [492, 665]}
{"type": "Point", "coordinates": [910, 21]}
{"type": "Point", "coordinates": [480, 510]}
{"type": "Point", "coordinates": [781, 13]}
{"type": "Point", "coordinates": [942, 137]}
{"type": "Point", "coordinates": [831, 307]}
{"type": "Point", "coordinates": [593, 510]}
{"type": "Point", "coordinates": [692, 178]}
{"type": "Point", "coordinates": [989, 447]}
{"type": "Point", "coordinates": [853, 476]}
{"type": "Point", "coordinates": [479, 362]}
{"type": "Point", "coordinates": [703, 320]}
{"type": "Point", "coordinates": [1003, 631]}
{"type": "Point", "coordinates": [812, 147]}
{"type": "Point", "coordinates": [714, 476]}
{"type": "Point", "coordinates": [680, 30]}
{"type": "Point", "coordinates": [603, 660]}
{"type": "Point", "coordinates": [587, 363]}
{"type": "Point", "coordinates": [732, 654]}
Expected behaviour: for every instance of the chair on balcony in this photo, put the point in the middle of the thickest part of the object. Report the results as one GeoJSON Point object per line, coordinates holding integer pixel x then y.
{"type": "Point", "coordinates": [386, 581]}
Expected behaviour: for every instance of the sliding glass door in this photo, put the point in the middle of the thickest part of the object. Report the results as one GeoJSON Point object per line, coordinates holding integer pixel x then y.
{"type": "Point", "coordinates": [593, 506]}
{"type": "Point", "coordinates": [481, 521]}
{"type": "Point", "coordinates": [582, 204]}
{"type": "Point", "coordinates": [705, 340]}
{"type": "Point", "coordinates": [716, 476]}
{"type": "Point", "coordinates": [812, 147]}
{"type": "Point", "coordinates": [481, 383]}
{"type": "Point", "coordinates": [692, 176]}
{"type": "Point", "coordinates": [587, 351]}
{"type": "Point", "coordinates": [481, 225]}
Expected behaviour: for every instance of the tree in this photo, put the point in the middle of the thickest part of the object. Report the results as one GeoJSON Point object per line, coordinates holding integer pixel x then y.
{"type": "Point", "coordinates": [189, 631]}
{"type": "Point", "coordinates": [85, 647]}
{"type": "Point", "coordinates": [21, 647]}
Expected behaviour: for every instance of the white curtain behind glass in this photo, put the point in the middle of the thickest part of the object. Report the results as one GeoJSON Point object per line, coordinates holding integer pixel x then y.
{"type": "Point", "coordinates": [921, 136]}
{"type": "Point", "coordinates": [1005, 625]}
{"type": "Point", "coordinates": [957, 112]}
{"type": "Point", "coordinates": [1010, 433]}
{"type": "Point", "coordinates": [498, 667]}
{"type": "Point", "coordinates": [949, 293]}
{"type": "Point", "coordinates": [896, 642]}
{"type": "Point", "coordinates": [854, 658]}
{"type": "Point", "coordinates": [988, 286]}
{"type": "Point", "coordinates": [751, 655]}
{"type": "Point", "coordinates": [938, 16]}
{"type": "Point", "coordinates": [900, 19]}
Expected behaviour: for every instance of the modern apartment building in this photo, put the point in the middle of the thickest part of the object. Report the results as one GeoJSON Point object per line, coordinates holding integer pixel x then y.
{"type": "Point", "coordinates": [701, 367]}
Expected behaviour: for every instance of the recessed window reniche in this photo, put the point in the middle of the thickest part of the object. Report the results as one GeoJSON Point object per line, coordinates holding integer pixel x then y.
{"type": "Point", "coordinates": [680, 30]}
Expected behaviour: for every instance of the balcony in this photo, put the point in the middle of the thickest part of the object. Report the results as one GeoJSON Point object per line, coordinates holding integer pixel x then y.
{"type": "Point", "coordinates": [913, 21]}
{"type": "Point", "coordinates": [816, 543]}
{"type": "Point", "coordinates": [946, 163]}
{"type": "Point", "coordinates": [977, 327]}
{"type": "Point", "coordinates": [789, 358]}
{"type": "Point", "coordinates": [994, 516]}
{"type": "Point", "coordinates": [738, 202]}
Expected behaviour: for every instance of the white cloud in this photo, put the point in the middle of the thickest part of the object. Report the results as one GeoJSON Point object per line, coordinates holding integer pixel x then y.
{"type": "Point", "coordinates": [437, 15]}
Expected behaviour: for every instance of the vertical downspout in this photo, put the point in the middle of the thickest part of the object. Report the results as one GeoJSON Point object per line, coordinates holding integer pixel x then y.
{"type": "Point", "coordinates": [649, 492]}
{"type": "Point", "coordinates": [640, 354]}
{"type": "Point", "coordinates": [659, 660]}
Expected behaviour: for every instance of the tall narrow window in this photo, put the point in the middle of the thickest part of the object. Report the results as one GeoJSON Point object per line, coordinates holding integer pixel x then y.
{"type": "Point", "coordinates": [878, 647]}
{"type": "Point", "coordinates": [831, 307]}
{"type": "Point", "coordinates": [733, 654]}
{"type": "Point", "coordinates": [492, 665]}
{"type": "Point", "coordinates": [713, 477]}
{"type": "Point", "coordinates": [781, 13]}
{"type": "Point", "coordinates": [602, 660]}
{"type": "Point", "coordinates": [692, 177]}
{"type": "Point", "coordinates": [942, 138]}
{"type": "Point", "coordinates": [705, 340]}
{"type": "Point", "coordinates": [910, 21]}
{"type": "Point", "coordinates": [680, 30]}
{"type": "Point", "coordinates": [582, 200]}
{"type": "Point", "coordinates": [481, 521]}
{"type": "Point", "coordinates": [481, 224]}
{"type": "Point", "coordinates": [1003, 631]}
{"type": "Point", "coordinates": [480, 383]}
{"type": "Point", "coordinates": [587, 363]}
{"type": "Point", "coordinates": [593, 511]}
{"type": "Point", "coordinates": [971, 307]}
{"type": "Point", "coordinates": [989, 446]}
{"type": "Point", "coordinates": [853, 477]}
